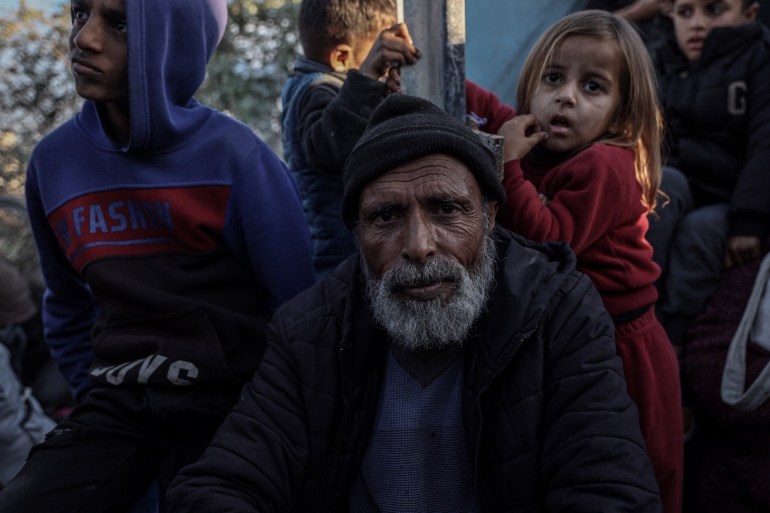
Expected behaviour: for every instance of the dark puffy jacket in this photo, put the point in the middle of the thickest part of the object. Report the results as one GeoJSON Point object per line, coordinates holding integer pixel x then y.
{"type": "Point", "coordinates": [718, 114]}
{"type": "Point", "coordinates": [321, 122]}
{"type": "Point", "coordinates": [549, 424]}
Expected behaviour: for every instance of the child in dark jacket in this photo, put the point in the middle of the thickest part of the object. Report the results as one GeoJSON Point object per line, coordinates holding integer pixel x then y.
{"type": "Point", "coordinates": [353, 52]}
{"type": "Point", "coordinates": [582, 165]}
{"type": "Point", "coordinates": [167, 233]}
{"type": "Point", "coordinates": [716, 101]}
{"type": "Point", "coordinates": [714, 90]}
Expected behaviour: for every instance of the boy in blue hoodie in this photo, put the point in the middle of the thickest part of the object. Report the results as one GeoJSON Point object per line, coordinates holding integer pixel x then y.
{"type": "Point", "coordinates": [352, 54]}
{"type": "Point", "coordinates": [167, 234]}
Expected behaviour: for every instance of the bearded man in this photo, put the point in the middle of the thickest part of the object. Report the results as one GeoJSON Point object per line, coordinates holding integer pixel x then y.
{"type": "Point", "coordinates": [451, 366]}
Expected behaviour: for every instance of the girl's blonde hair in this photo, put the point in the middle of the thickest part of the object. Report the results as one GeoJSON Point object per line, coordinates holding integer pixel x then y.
{"type": "Point", "coordinates": [638, 118]}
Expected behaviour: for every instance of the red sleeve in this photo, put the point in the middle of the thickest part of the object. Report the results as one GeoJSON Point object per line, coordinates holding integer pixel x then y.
{"type": "Point", "coordinates": [486, 104]}
{"type": "Point", "coordinates": [581, 197]}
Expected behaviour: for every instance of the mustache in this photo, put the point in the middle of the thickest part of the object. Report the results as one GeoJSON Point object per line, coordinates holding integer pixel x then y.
{"type": "Point", "coordinates": [417, 275]}
{"type": "Point", "coordinates": [436, 323]}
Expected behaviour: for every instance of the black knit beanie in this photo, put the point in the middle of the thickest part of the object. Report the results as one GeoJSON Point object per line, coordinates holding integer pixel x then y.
{"type": "Point", "coordinates": [404, 128]}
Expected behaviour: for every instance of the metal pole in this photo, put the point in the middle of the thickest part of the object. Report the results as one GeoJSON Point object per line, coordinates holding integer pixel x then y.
{"type": "Point", "coordinates": [438, 30]}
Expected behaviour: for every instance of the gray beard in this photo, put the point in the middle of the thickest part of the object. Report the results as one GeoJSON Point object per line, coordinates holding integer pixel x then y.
{"type": "Point", "coordinates": [436, 323]}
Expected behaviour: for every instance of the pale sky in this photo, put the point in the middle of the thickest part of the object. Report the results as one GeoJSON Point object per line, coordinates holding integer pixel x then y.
{"type": "Point", "coordinates": [37, 4]}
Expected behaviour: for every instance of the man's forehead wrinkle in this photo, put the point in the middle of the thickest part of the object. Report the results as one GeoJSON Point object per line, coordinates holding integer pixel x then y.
{"type": "Point", "coordinates": [424, 176]}
{"type": "Point", "coordinates": [414, 173]}
{"type": "Point", "coordinates": [424, 190]}
{"type": "Point", "coordinates": [407, 182]}
{"type": "Point", "coordinates": [430, 181]}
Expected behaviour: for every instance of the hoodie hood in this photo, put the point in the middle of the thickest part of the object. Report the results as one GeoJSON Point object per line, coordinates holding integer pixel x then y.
{"type": "Point", "coordinates": [170, 43]}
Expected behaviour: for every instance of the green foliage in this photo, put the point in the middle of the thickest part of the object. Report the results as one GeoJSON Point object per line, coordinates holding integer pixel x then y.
{"type": "Point", "coordinates": [252, 63]}
{"type": "Point", "coordinates": [37, 93]}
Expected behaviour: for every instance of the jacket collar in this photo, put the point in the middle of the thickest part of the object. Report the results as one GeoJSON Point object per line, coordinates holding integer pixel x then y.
{"type": "Point", "coordinates": [720, 41]}
{"type": "Point", "coordinates": [307, 66]}
{"type": "Point", "coordinates": [525, 285]}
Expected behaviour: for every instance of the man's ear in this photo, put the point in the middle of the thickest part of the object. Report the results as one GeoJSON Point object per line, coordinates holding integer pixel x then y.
{"type": "Point", "coordinates": [492, 207]}
{"type": "Point", "coordinates": [341, 58]}
{"type": "Point", "coordinates": [751, 12]}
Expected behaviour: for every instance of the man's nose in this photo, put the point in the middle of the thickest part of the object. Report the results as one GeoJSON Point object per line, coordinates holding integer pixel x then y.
{"type": "Point", "coordinates": [89, 37]}
{"type": "Point", "coordinates": [419, 238]}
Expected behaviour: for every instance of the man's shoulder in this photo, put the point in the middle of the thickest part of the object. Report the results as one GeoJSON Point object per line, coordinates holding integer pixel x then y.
{"type": "Point", "coordinates": [543, 272]}
{"type": "Point", "coordinates": [533, 263]}
{"type": "Point", "coordinates": [325, 303]}
{"type": "Point", "coordinates": [535, 282]}
{"type": "Point", "coordinates": [223, 125]}
{"type": "Point", "coordinates": [67, 146]}
{"type": "Point", "coordinates": [61, 138]}
{"type": "Point", "coordinates": [230, 136]}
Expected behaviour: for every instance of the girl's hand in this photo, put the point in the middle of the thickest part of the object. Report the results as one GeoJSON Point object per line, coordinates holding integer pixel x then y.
{"type": "Point", "coordinates": [521, 134]}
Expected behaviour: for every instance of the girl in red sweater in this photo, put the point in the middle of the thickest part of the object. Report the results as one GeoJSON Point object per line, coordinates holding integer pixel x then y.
{"type": "Point", "coordinates": [583, 165]}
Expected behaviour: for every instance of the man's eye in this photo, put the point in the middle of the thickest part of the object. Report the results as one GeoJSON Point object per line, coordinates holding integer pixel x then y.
{"type": "Point", "coordinates": [79, 15]}
{"type": "Point", "coordinates": [120, 26]}
{"type": "Point", "coordinates": [380, 217]}
{"type": "Point", "coordinates": [684, 12]}
{"type": "Point", "coordinates": [448, 209]}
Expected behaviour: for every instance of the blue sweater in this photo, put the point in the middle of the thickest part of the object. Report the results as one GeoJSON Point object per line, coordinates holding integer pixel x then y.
{"type": "Point", "coordinates": [417, 458]}
{"type": "Point", "coordinates": [164, 258]}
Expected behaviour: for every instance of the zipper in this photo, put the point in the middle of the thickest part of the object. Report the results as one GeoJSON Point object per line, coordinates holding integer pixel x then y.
{"type": "Point", "coordinates": [485, 499]}
{"type": "Point", "coordinates": [326, 497]}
